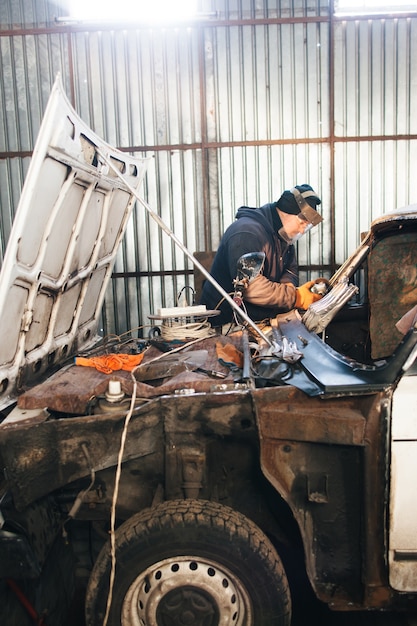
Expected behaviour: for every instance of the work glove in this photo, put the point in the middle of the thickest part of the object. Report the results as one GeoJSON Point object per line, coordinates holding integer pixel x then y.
{"type": "Point", "coordinates": [229, 355]}
{"type": "Point", "coordinates": [305, 297]}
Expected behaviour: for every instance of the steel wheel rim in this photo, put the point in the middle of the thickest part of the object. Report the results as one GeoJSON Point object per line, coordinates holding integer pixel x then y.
{"type": "Point", "coordinates": [209, 585]}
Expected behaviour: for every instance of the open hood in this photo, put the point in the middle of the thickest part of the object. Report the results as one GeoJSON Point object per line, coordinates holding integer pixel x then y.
{"type": "Point", "coordinates": [69, 223]}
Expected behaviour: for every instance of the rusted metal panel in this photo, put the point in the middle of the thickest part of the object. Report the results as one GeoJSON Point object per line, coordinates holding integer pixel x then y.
{"type": "Point", "coordinates": [52, 456]}
{"type": "Point", "coordinates": [72, 389]}
{"type": "Point", "coordinates": [321, 478]}
{"type": "Point", "coordinates": [75, 390]}
{"type": "Point", "coordinates": [327, 507]}
{"type": "Point", "coordinates": [285, 413]}
{"type": "Point", "coordinates": [48, 450]}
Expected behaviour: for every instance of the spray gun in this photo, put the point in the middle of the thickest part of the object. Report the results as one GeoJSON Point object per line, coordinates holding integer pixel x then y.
{"type": "Point", "coordinates": [249, 266]}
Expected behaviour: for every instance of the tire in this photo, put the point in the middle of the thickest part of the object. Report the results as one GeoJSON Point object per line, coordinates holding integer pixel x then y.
{"type": "Point", "coordinates": [190, 563]}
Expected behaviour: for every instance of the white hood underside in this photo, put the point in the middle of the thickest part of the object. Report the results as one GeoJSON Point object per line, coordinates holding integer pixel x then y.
{"type": "Point", "coordinates": [68, 226]}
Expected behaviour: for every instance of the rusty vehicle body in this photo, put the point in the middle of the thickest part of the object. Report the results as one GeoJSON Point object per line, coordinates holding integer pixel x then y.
{"type": "Point", "coordinates": [234, 480]}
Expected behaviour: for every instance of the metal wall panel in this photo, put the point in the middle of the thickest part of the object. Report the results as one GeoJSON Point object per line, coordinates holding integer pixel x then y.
{"type": "Point", "coordinates": [375, 77]}
{"type": "Point", "coordinates": [375, 94]}
{"type": "Point", "coordinates": [247, 9]}
{"type": "Point", "coordinates": [18, 14]}
{"type": "Point", "coordinates": [29, 64]}
{"type": "Point", "coordinates": [12, 175]}
{"type": "Point", "coordinates": [149, 95]}
{"type": "Point", "coordinates": [372, 178]}
{"type": "Point", "coordinates": [139, 87]}
{"type": "Point", "coordinates": [148, 251]}
{"type": "Point", "coordinates": [231, 110]}
{"type": "Point", "coordinates": [269, 82]}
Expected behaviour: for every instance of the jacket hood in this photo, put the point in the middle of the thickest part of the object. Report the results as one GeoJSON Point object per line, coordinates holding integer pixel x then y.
{"type": "Point", "coordinates": [267, 215]}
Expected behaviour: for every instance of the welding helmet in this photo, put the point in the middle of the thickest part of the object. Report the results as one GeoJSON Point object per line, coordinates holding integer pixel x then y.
{"type": "Point", "coordinates": [301, 200]}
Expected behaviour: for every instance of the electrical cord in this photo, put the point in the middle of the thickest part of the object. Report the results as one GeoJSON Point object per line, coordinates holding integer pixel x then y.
{"type": "Point", "coordinates": [172, 330]}
{"type": "Point", "coordinates": [186, 326]}
{"type": "Point", "coordinates": [117, 483]}
{"type": "Point", "coordinates": [115, 497]}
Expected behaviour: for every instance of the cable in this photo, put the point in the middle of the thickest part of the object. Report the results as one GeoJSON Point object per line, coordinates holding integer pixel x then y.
{"type": "Point", "coordinates": [115, 496]}
{"type": "Point", "coordinates": [117, 483]}
{"type": "Point", "coordinates": [172, 330]}
{"type": "Point", "coordinates": [182, 290]}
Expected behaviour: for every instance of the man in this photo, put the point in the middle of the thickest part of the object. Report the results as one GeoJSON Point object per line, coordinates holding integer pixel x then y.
{"type": "Point", "coordinates": [272, 229]}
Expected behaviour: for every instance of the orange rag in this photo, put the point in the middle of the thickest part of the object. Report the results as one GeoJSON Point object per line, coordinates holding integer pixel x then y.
{"type": "Point", "coordinates": [109, 363]}
{"type": "Point", "coordinates": [229, 355]}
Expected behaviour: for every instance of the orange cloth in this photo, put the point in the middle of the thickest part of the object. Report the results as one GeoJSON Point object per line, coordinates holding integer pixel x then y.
{"type": "Point", "coordinates": [109, 363]}
{"type": "Point", "coordinates": [229, 355]}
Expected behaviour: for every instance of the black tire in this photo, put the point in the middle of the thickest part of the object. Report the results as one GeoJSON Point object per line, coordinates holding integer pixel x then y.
{"type": "Point", "coordinates": [190, 562]}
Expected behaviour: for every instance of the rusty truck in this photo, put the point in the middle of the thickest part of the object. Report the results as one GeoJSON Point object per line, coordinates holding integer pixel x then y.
{"type": "Point", "coordinates": [207, 476]}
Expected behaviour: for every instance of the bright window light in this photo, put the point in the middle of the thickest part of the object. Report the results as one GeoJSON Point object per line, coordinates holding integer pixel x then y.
{"type": "Point", "coordinates": [352, 7]}
{"type": "Point", "coordinates": [132, 10]}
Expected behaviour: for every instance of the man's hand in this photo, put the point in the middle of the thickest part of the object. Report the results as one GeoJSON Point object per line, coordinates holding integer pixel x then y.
{"type": "Point", "coordinates": [305, 297]}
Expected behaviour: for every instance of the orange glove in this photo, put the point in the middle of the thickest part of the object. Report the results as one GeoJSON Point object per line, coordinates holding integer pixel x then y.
{"type": "Point", "coordinates": [229, 355]}
{"type": "Point", "coordinates": [305, 297]}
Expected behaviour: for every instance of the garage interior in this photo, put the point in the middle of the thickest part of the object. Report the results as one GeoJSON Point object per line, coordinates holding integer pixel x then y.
{"type": "Point", "coordinates": [230, 106]}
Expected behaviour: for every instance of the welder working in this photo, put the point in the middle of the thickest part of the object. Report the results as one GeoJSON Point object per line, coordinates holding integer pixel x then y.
{"type": "Point", "coordinates": [273, 230]}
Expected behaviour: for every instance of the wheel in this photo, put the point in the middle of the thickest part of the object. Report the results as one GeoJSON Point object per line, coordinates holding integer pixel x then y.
{"type": "Point", "coordinates": [190, 563]}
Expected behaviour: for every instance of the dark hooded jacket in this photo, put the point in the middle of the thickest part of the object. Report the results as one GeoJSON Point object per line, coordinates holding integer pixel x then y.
{"type": "Point", "coordinates": [255, 230]}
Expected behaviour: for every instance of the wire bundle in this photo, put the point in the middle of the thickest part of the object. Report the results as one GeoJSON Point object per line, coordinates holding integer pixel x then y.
{"type": "Point", "coordinates": [179, 329]}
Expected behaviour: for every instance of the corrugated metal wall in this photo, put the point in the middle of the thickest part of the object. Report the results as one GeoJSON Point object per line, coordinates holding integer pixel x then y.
{"type": "Point", "coordinates": [232, 109]}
